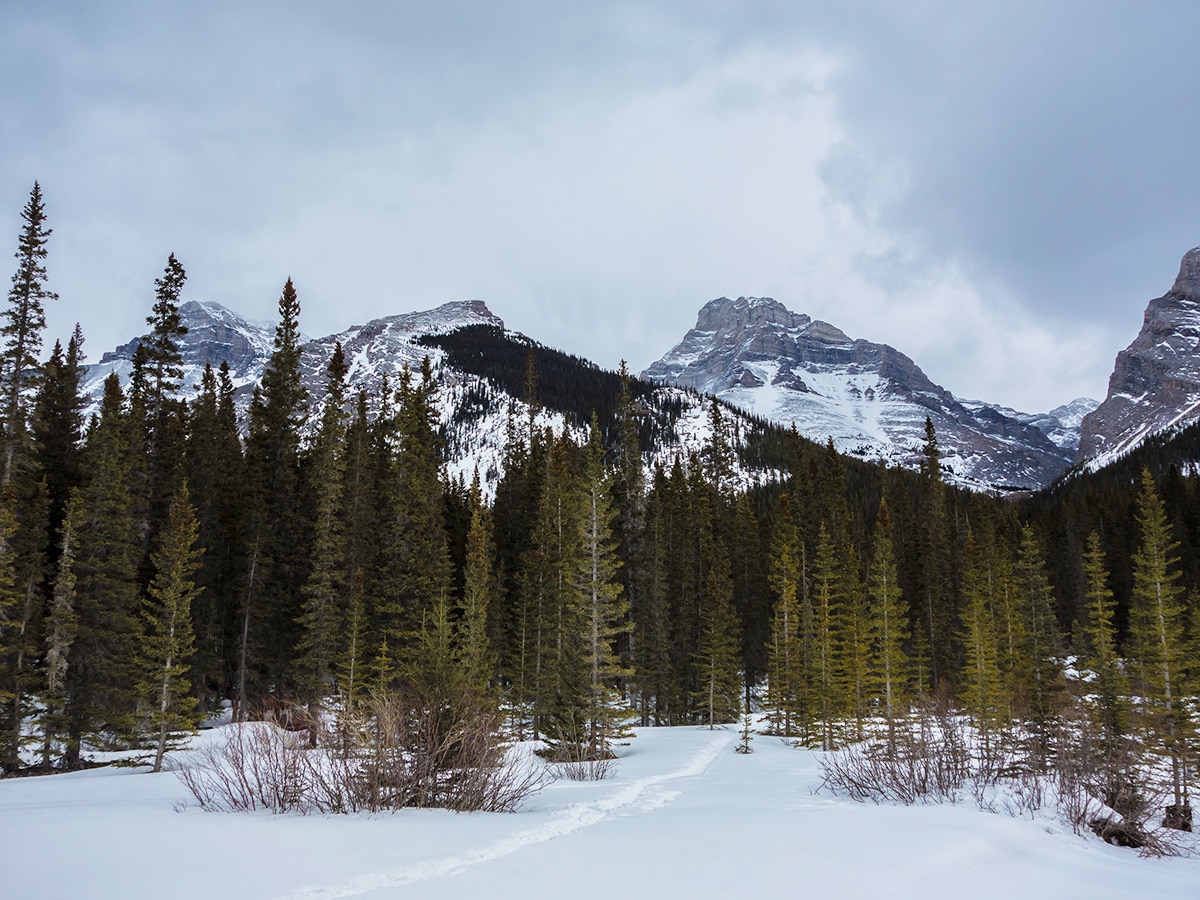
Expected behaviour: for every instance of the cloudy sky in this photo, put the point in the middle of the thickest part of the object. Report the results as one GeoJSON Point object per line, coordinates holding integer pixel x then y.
{"type": "Point", "coordinates": [995, 189]}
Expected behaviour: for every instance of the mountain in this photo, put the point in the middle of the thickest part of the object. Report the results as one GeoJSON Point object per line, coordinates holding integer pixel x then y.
{"type": "Point", "coordinates": [479, 366]}
{"type": "Point", "coordinates": [1155, 384]}
{"type": "Point", "coordinates": [870, 398]}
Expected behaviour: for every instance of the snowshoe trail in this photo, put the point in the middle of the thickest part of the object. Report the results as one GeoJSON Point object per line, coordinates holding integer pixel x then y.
{"type": "Point", "coordinates": [641, 795]}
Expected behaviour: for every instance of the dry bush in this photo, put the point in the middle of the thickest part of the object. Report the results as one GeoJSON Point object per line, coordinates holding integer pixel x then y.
{"type": "Point", "coordinates": [399, 752]}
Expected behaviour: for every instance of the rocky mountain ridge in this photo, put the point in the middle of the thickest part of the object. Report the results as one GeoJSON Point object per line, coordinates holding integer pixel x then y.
{"type": "Point", "coordinates": [1155, 384]}
{"type": "Point", "coordinates": [871, 399]}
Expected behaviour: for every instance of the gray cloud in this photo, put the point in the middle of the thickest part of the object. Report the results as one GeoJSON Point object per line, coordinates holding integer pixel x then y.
{"type": "Point", "coordinates": [988, 190]}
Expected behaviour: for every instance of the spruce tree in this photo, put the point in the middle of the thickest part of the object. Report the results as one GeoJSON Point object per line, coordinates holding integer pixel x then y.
{"type": "Point", "coordinates": [1110, 698]}
{"type": "Point", "coordinates": [983, 694]}
{"type": "Point", "coordinates": [481, 597]}
{"type": "Point", "coordinates": [324, 594]}
{"type": "Point", "coordinates": [887, 631]}
{"type": "Point", "coordinates": [62, 626]}
{"type": "Point", "coordinates": [24, 321]}
{"type": "Point", "coordinates": [827, 683]}
{"type": "Point", "coordinates": [274, 571]}
{"type": "Point", "coordinates": [164, 361]}
{"type": "Point", "coordinates": [11, 637]}
{"type": "Point", "coordinates": [605, 610]}
{"type": "Point", "coordinates": [166, 636]}
{"type": "Point", "coordinates": [101, 680]}
{"type": "Point", "coordinates": [785, 650]}
{"type": "Point", "coordinates": [1043, 680]}
{"type": "Point", "coordinates": [1156, 631]}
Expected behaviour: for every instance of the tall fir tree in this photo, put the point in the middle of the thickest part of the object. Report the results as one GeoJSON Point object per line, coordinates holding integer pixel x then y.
{"type": "Point", "coordinates": [24, 321]}
{"type": "Point", "coordinates": [166, 644]}
{"type": "Point", "coordinates": [605, 609]}
{"type": "Point", "coordinates": [1109, 701]}
{"type": "Point", "coordinates": [62, 625]}
{"type": "Point", "coordinates": [1156, 632]}
{"type": "Point", "coordinates": [274, 571]}
{"type": "Point", "coordinates": [785, 674]}
{"type": "Point", "coordinates": [481, 598]}
{"type": "Point", "coordinates": [325, 593]}
{"type": "Point", "coordinates": [101, 680]}
{"type": "Point", "coordinates": [887, 631]}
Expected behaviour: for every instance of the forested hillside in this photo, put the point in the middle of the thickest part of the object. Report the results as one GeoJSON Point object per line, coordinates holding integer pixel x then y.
{"type": "Point", "coordinates": [153, 563]}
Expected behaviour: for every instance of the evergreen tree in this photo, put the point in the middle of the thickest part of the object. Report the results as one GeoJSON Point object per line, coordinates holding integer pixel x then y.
{"type": "Point", "coordinates": [101, 680]}
{"type": "Point", "coordinates": [166, 637]}
{"type": "Point", "coordinates": [1043, 680]}
{"type": "Point", "coordinates": [887, 631]}
{"type": "Point", "coordinates": [785, 657]}
{"type": "Point", "coordinates": [216, 476]}
{"type": "Point", "coordinates": [164, 361]}
{"type": "Point", "coordinates": [826, 684]}
{"type": "Point", "coordinates": [61, 628]}
{"type": "Point", "coordinates": [11, 637]}
{"type": "Point", "coordinates": [481, 595]}
{"type": "Point", "coordinates": [1110, 698]}
{"type": "Point", "coordinates": [324, 593]}
{"type": "Point", "coordinates": [275, 566]}
{"type": "Point", "coordinates": [1156, 631]}
{"type": "Point", "coordinates": [605, 611]}
{"type": "Point", "coordinates": [983, 686]}
{"type": "Point", "coordinates": [936, 602]}
{"type": "Point", "coordinates": [24, 321]}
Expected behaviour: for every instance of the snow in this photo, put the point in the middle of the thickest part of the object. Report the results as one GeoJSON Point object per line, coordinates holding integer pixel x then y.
{"type": "Point", "coordinates": [684, 815]}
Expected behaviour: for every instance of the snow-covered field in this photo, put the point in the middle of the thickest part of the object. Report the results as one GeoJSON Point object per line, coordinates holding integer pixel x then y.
{"type": "Point", "coordinates": [683, 816]}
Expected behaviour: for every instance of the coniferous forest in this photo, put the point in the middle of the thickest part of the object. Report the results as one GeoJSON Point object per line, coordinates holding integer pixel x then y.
{"type": "Point", "coordinates": [156, 562]}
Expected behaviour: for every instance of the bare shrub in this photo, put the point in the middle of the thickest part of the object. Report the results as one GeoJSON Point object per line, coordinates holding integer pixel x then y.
{"type": "Point", "coordinates": [399, 753]}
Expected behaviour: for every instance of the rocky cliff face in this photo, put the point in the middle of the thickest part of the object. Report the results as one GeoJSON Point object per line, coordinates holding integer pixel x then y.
{"type": "Point", "coordinates": [1155, 384]}
{"type": "Point", "coordinates": [870, 398]}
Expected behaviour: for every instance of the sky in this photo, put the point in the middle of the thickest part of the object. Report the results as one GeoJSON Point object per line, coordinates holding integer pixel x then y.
{"type": "Point", "coordinates": [995, 189]}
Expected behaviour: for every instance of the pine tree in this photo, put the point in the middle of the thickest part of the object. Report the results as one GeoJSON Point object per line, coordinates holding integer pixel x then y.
{"type": "Point", "coordinates": [1110, 699]}
{"type": "Point", "coordinates": [1156, 631]}
{"type": "Point", "coordinates": [163, 357]}
{"type": "Point", "coordinates": [11, 636]}
{"type": "Point", "coordinates": [324, 593]}
{"type": "Point", "coordinates": [827, 697]}
{"type": "Point", "coordinates": [275, 568]}
{"type": "Point", "coordinates": [216, 475]}
{"type": "Point", "coordinates": [983, 686]}
{"type": "Point", "coordinates": [166, 637]}
{"type": "Point", "coordinates": [101, 680]}
{"type": "Point", "coordinates": [62, 627]}
{"type": "Point", "coordinates": [1043, 680]}
{"type": "Point", "coordinates": [24, 321]}
{"type": "Point", "coordinates": [887, 631]}
{"type": "Point", "coordinates": [717, 697]}
{"type": "Point", "coordinates": [481, 596]}
{"type": "Point", "coordinates": [936, 603]}
{"type": "Point", "coordinates": [605, 611]}
{"type": "Point", "coordinates": [785, 651]}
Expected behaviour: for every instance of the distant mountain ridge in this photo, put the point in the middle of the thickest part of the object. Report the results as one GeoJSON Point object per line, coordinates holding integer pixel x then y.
{"type": "Point", "coordinates": [473, 408]}
{"type": "Point", "coordinates": [755, 355]}
{"type": "Point", "coordinates": [871, 399]}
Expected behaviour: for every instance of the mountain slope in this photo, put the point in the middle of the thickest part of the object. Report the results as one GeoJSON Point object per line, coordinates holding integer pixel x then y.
{"type": "Point", "coordinates": [1155, 384]}
{"type": "Point", "coordinates": [870, 398]}
{"type": "Point", "coordinates": [479, 367]}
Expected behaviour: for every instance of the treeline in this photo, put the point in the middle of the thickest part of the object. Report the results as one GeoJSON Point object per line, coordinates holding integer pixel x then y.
{"type": "Point", "coordinates": [154, 563]}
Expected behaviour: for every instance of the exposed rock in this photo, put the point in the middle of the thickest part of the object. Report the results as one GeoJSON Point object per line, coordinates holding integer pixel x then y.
{"type": "Point", "coordinates": [1155, 384]}
{"type": "Point", "coordinates": [870, 398]}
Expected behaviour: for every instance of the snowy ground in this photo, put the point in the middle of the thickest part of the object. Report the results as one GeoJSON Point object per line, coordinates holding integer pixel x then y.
{"type": "Point", "coordinates": [684, 815]}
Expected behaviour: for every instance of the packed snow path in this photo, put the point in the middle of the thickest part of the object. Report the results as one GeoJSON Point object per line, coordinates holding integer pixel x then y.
{"type": "Point", "coordinates": [639, 795]}
{"type": "Point", "coordinates": [684, 815]}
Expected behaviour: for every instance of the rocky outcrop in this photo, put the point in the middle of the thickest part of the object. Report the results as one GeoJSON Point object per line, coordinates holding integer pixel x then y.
{"type": "Point", "coordinates": [1155, 384]}
{"type": "Point", "coordinates": [870, 398]}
